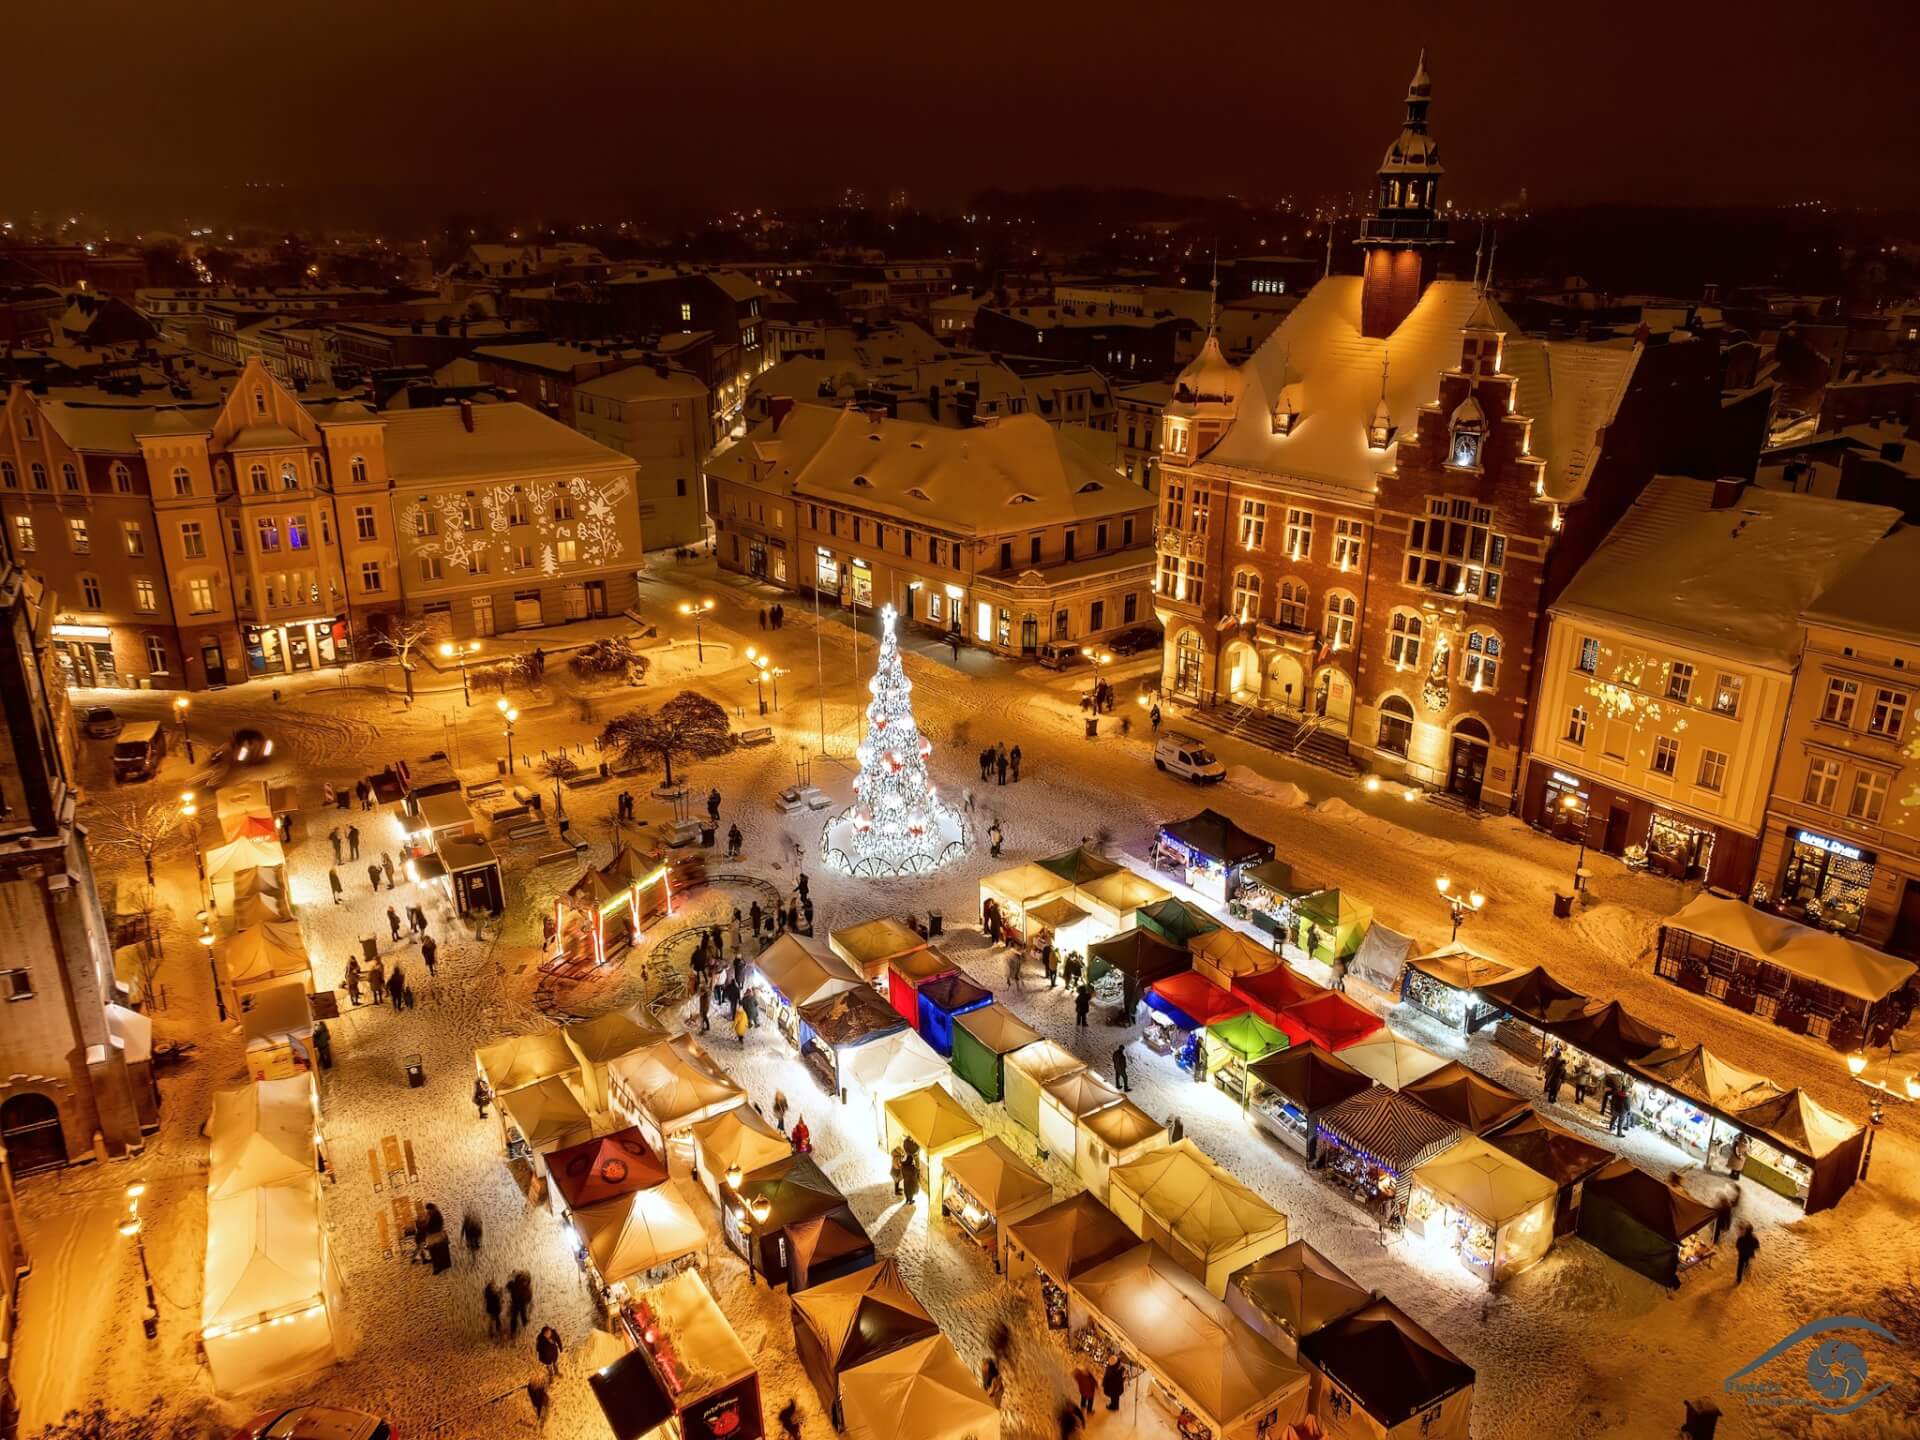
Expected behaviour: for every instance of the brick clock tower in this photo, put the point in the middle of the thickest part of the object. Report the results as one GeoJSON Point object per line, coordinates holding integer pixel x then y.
{"type": "Point", "coordinates": [1399, 240]}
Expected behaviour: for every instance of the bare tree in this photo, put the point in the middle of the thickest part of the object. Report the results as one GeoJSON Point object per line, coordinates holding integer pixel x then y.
{"type": "Point", "coordinates": [401, 638]}
{"type": "Point", "coordinates": [685, 727]}
{"type": "Point", "coordinates": [138, 827]}
{"type": "Point", "coordinates": [150, 955]}
{"type": "Point", "coordinates": [559, 767]}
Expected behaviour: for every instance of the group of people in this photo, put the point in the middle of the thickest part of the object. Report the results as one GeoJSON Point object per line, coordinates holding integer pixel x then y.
{"type": "Point", "coordinates": [1099, 700]}
{"type": "Point", "coordinates": [998, 760]}
{"type": "Point", "coordinates": [1616, 1102]}
{"type": "Point", "coordinates": [384, 986]}
{"type": "Point", "coordinates": [772, 617]}
{"type": "Point", "coordinates": [905, 1169]}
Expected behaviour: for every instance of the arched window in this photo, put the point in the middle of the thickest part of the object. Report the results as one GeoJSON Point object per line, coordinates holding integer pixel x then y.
{"type": "Point", "coordinates": [1577, 726]}
{"type": "Point", "coordinates": [1189, 661]}
{"type": "Point", "coordinates": [9, 475]}
{"type": "Point", "coordinates": [1339, 627]}
{"type": "Point", "coordinates": [1246, 594]}
{"type": "Point", "coordinates": [39, 476]}
{"type": "Point", "coordinates": [1481, 668]}
{"type": "Point", "coordinates": [1396, 726]}
{"type": "Point", "coordinates": [1403, 645]}
{"type": "Point", "coordinates": [69, 476]}
{"type": "Point", "coordinates": [357, 469]}
{"type": "Point", "coordinates": [122, 478]}
{"type": "Point", "coordinates": [1293, 604]}
{"type": "Point", "coordinates": [257, 477]}
{"type": "Point", "coordinates": [182, 480]}
{"type": "Point", "coordinates": [289, 475]}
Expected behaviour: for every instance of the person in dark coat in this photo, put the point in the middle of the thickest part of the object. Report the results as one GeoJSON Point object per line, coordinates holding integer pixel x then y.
{"type": "Point", "coordinates": [1120, 1068]}
{"type": "Point", "coordinates": [333, 884]}
{"type": "Point", "coordinates": [1082, 1005]}
{"type": "Point", "coordinates": [373, 879]}
{"type": "Point", "coordinates": [353, 842]}
{"type": "Point", "coordinates": [482, 1096]}
{"type": "Point", "coordinates": [333, 838]}
{"type": "Point", "coordinates": [1723, 1215]}
{"type": "Point", "coordinates": [1000, 768]}
{"type": "Point", "coordinates": [547, 1347]}
{"type": "Point", "coordinates": [734, 841]}
{"type": "Point", "coordinates": [396, 985]}
{"type": "Point", "coordinates": [377, 982]}
{"type": "Point", "coordinates": [393, 922]}
{"type": "Point", "coordinates": [1746, 1247]}
{"type": "Point", "coordinates": [386, 865]}
{"type": "Point", "coordinates": [1013, 761]}
{"type": "Point", "coordinates": [1114, 1383]}
{"type": "Point", "coordinates": [353, 980]}
{"type": "Point", "coordinates": [490, 1297]}
{"type": "Point", "coordinates": [519, 1301]}
{"type": "Point", "coordinates": [910, 1174]}
{"type": "Point", "coordinates": [713, 806]}
{"type": "Point", "coordinates": [429, 952]}
{"type": "Point", "coordinates": [1554, 1075]}
{"type": "Point", "coordinates": [537, 1395]}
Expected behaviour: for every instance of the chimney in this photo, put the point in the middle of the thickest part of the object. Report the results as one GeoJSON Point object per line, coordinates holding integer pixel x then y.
{"type": "Point", "coordinates": [466, 415]}
{"type": "Point", "coordinates": [1727, 491]}
{"type": "Point", "coordinates": [779, 407]}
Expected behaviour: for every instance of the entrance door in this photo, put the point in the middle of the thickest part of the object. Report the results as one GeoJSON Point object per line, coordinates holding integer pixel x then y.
{"type": "Point", "coordinates": [483, 614]}
{"type": "Point", "coordinates": [300, 646]}
{"type": "Point", "coordinates": [30, 1128]}
{"type": "Point", "coordinates": [214, 663]}
{"type": "Point", "coordinates": [1468, 771]}
{"type": "Point", "coordinates": [526, 610]}
{"type": "Point", "coordinates": [596, 599]}
{"type": "Point", "coordinates": [756, 556]}
{"type": "Point", "coordinates": [1905, 939]}
{"type": "Point", "coordinates": [1030, 634]}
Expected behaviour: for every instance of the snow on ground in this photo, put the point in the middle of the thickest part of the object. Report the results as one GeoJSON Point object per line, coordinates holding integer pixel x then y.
{"type": "Point", "coordinates": [1577, 1343]}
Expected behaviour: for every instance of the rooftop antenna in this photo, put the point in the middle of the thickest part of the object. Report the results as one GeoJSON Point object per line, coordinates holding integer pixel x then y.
{"type": "Point", "coordinates": [1329, 270]}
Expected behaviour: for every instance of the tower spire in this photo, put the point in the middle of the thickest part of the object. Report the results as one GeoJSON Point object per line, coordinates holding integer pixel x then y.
{"type": "Point", "coordinates": [1213, 291]}
{"type": "Point", "coordinates": [1479, 254]}
{"type": "Point", "coordinates": [1492, 250]}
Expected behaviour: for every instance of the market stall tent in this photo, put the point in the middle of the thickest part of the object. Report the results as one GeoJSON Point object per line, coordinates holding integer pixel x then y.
{"type": "Point", "coordinates": [1560, 1155]}
{"type": "Point", "coordinates": [1695, 1073]}
{"type": "Point", "coordinates": [1645, 1223]}
{"type": "Point", "coordinates": [262, 953]}
{"type": "Point", "coordinates": [795, 1190]}
{"type": "Point", "coordinates": [1829, 1145]}
{"type": "Point", "coordinates": [871, 945]}
{"type": "Point", "coordinates": [1391, 1060]}
{"type": "Point", "coordinates": [1467, 1098]}
{"type": "Point", "coordinates": [262, 1134]}
{"type": "Point", "coordinates": [1079, 866]}
{"type": "Point", "coordinates": [852, 1320]}
{"type": "Point", "coordinates": [827, 1247]}
{"type": "Point", "coordinates": [1380, 963]}
{"type": "Point", "coordinates": [713, 1384]}
{"type": "Point", "coordinates": [1026, 1071]}
{"type": "Point", "coordinates": [799, 970]}
{"type": "Point", "coordinates": [1332, 924]}
{"type": "Point", "coordinates": [942, 1002]}
{"type": "Point", "coordinates": [638, 1232]}
{"type": "Point", "coordinates": [546, 1116]}
{"type": "Point", "coordinates": [982, 1039]}
{"type": "Point", "coordinates": [999, 1181]}
{"type": "Point", "coordinates": [1021, 889]}
{"type": "Point", "coordinates": [596, 1171]}
{"type": "Point", "coordinates": [1446, 984]}
{"type": "Point", "coordinates": [1535, 997]}
{"type": "Point", "coordinates": [249, 902]}
{"type": "Point", "coordinates": [1290, 1090]}
{"type": "Point", "coordinates": [1233, 1381]}
{"type": "Point", "coordinates": [1331, 1021]}
{"type": "Point", "coordinates": [226, 862]}
{"type": "Point", "coordinates": [1274, 989]}
{"type": "Point", "coordinates": [1386, 1128]}
{"type": "Point", "coordinates": [1175, 921]}
{"type": "Point", "coordinates": [734, 1137]}
{"type": "Point", "coordinates": [1608, 1033]}
{"type": "Point", "coordinates": [1182, 1201]}
{"type": "Point", "coordinates": [1141, 956]}
{"type": "Point", "coordinates": [1472, 1179]}
{"type": "Point", "coordinates": [1114, 1135]}
{"type": "Point", "coordinates": [1068, 1237]}
{"type": "Point", "coordinates": [893, 1065]}
{"type": "Point", "coordinates": [834, 1030]}
{"type": "Point", "coordinates": [596, 1043]}
{"type": "Point", "coordinates": [937, 1122]}
{"type": "Point", "coordinates": [525, 1060]}
{"type": "Point", "coordinates": [244, 809]}
{"type": "Point", "coordinates": [1243, 1039]}
{"type": "Point", "coordinates": [1112, 899]}
{"type": "Point", "coordinates": [1226, 957]}
{"type": "Point", "coordinates": [668, 1088]}
{"type": "Point", "coordinates": [907, 973]}
{"type": "Point", "coordinates": [922, 1391]}
{"type": "Point", "coordinates": [271, 1289]}
{"type": "Point", "coordinates": [1293, 1292]}
{"type": "Point", "coordinates": [1191, 1001]}
{"type": "Point", "coordinates": [1063, 1103]}
{"type": "Point", "coordinates": [1385, 1378]}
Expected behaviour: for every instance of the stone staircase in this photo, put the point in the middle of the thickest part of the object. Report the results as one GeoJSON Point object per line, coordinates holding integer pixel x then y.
{"type": "Point", "coordinates": [1318, 745]}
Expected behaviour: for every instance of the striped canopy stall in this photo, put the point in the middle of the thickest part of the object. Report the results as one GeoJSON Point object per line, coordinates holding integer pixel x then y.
{"type": "Point", "coordinates": [1386, 1128]}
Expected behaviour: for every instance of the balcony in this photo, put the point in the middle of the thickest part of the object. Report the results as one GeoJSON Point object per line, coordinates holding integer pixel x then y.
{"type": "Point", "coordinates": [1411, 231]}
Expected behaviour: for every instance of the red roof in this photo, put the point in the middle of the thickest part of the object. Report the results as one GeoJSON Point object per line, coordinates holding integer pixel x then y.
{"type": "Point", "coordinates": [1269, 993]}
{"type": "Point", "coordinates": [605, 1169]}
{"type": "Point", "coordinates": [1328, 1020]}
{"type": "Point", "coordinates": [1194, 995]}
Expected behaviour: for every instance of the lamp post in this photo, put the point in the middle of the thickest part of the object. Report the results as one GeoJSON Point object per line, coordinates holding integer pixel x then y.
{"type": "Point", "coordinates": [765, 669]}
{"type": "Point", "coordinates": [131, 1229]}
{"type": "Point", "coordinates": [448, 650]}
{"type": "Point", "coordinates": [1876, 1117]}
{"type": "Point", "coordinates": [759, 663]}
{"type": "Point", "coordinates": [507, 716]}
{"type": "Point", "coordinates": [180, 707]}
{"type": "Point", "coordinates": [1571, 804]}
{"type": "Point", "coordinates": [1460, 905]}
{"type": "Point", "coordinates": [697, 609]}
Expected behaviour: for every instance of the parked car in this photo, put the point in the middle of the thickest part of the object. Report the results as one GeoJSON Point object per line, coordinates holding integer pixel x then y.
{"type": "Point", "coordinates": [314, 1422]}
{"type": "Point", "coordinates": [1186, 757]}
{"type": "Point", "coordinates": [102, 724]}
{"type": "Point", "coordinates": [1135, 641]}
{"type": "Point", "coordinates": [138, 751]}
{"type": "Point", "coordinates": [1060, 657]}
{"type": "Point", "coordinates": [249, 747]}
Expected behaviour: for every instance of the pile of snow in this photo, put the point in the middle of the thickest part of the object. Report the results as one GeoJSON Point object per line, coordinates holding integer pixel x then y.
{"type": "Point", "coordinates": [1410, 841]}
{"type": "Point", "coordinates": [1284, 793]}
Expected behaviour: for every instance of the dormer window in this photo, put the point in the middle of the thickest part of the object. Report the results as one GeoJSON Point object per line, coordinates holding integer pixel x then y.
{"type": "Point", "coordinates": [1381, 432]}
{"type": "Point", "coordinates": [1021, 499]}
{"type": "Point", "coordinates": [1285, 416]}
{"type": "Point", "coordinates": [1090, 487]}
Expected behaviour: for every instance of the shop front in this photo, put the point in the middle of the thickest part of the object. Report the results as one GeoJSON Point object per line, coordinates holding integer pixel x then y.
{"type": "Point", "coordinates": [85, 656]}
{"type": "Point", "coordinates": [1647, 834]}
{"type": "Point", "coordinates": [1826, 880]}
{"type": "Point", "coordinates": [296, 646]}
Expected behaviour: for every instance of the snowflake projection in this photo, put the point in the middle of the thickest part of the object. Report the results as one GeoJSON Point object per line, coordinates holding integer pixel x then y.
{"type": "Point", "coordinates": [897, 824]}
{"type": "Point", "coordinates": [481, 531]}
{"type": "Point", "coordinates": [1635, 690]}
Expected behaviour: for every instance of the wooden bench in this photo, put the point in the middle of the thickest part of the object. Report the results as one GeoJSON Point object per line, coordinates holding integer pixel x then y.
{"type": "Point", "coordinates": [413, 1170]}
{"type": "Point", "coordinates": [763, 735]}
{"type": "Point", "coordinates": [386, 1234]}
{"type": "Point", "coordinates": [373, 1170]}
{"type": "Point", "coordinates": [554, 857]}
{"type": "Point", "coordinates": [390, 1156]}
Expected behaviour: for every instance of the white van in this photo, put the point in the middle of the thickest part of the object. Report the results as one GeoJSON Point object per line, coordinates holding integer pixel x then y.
{"type": "Point", "coordinates": [1186, 757]}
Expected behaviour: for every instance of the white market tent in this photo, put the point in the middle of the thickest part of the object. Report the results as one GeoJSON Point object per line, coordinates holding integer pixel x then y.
{"type": "Point", "coordinates": [598, 1042]}
{"type": "Point", "coordinates": [1232, 1378]}
{"type": "Point", "coordinates": [1112, 899]}
{"type": "Point", "coordinates": [524, 1060]}
{"type": "Point", "coordinates": [262, 1134]}
{"type": "Point", "coordinates": [225, 862]}
{"type": "Point", "coordinates": [1205, 1218]}
{"type": "Point", "coordinates": [1475, 1180]}
{"type": "Point", "coordinates": [923, 1391]}
{"type": "Point", "coordinates": [1027, 1070]}
{"type": "Point", "coordinates": [548, 1116]}
{"type": "Point", "coordinates": [801, 970]}
{"type": "Point", "coordinates": [892, 1065]}
{"type": "Point", "coordinates": [1832, 960]}
{"type": "Point", "coordinates": [1116, 1135]}
{"type": "Point", "coordinates": [1391, 1060]}
{"type": "Point", "coordinates": [638, 1232]}
{"type": "Point", "coordinates": [668, 1088]}
{"type": "Point", "coordinates": [735, 1137]}
{"type": "Point", "coordinates": [271, 1287]}
{"type": "Point", "coordinates": [1020, 889]}
{"type": "Point", "coordinates": [1064, 1103]}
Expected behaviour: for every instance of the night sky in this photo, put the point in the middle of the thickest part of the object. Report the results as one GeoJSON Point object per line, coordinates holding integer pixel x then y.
{"type": "Point", "coordinates": [625, 107]}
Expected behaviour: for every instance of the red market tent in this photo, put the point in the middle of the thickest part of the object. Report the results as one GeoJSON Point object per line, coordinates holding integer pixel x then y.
{"type": "Point", "coordinates": [1274, 990]}
{"type": "Point", "coordinates": [1192, 1001]}
{"type": "Point", "coordinates": [907, 973]}
{"type": "Point", "coordinates": [605, 1168]}
{"type": "Point", "coordinates": [1328, 1020]}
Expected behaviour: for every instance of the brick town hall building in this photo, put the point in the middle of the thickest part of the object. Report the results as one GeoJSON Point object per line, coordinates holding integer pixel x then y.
{"type": "Point", "coordinates": [1361, 528]}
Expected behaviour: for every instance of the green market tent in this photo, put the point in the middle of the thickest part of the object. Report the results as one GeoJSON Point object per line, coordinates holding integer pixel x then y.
{"type": "Point", "coordinates": [1140, 955]}
{"type": "Point", "coordinates": [1643, 1222]}
{"type": "Point", "coordinates": [982, 1039]}
{"type": "Point", "coordinates": [1245, 1037]}
{"type": "Point", "coordinates": [1175, 920]}
{"type": "Point", "coordinates": [1340, 920]}
{"type": "Point", "coordinates": [1079, 866]}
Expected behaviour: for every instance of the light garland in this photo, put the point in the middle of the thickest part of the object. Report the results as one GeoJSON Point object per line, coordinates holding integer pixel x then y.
{"type": "Point", "coordinates": [897, 824]}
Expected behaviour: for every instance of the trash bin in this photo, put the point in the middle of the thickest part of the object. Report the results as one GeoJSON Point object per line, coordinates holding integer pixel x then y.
{"type": "Point", "coordinates": [416, 1071]}
{"type": "Point", "coordinates": [706, 836]}
{"type": "Point", "coordinates": [1093, 726]}
{"type": "Point", "coordinates": [500, 764]}
{"type": "Point", "coordinates": [1702, 1419]}
{"type": "Point", "coordinates": [1562, 906]}
{"type": "Point", "coordinates": [934, 923]}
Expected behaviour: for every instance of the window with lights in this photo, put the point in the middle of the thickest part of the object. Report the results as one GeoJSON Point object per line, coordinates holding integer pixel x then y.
{"type": "Point", "coordinates": [1455, 551]}
{"type": "Point", "coordinates": [1292, 609]}
{"type": "Point", "coordinates": [1299, 534]}
{"type": "Point", "coordinates": [1246, 594]}
{"type": "Point", "coordinates": [1481, 666]}
{"type": "Point", "coordinates": [1253, 524]}
{"type": "Point", "coordinates": [1346, 543]}
{"type": "Point", "coordinates": [1403, 641]}
{"type": "Point", "coordinates": [1341, 609]}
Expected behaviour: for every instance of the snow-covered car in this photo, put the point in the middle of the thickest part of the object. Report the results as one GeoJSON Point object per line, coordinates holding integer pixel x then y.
{"type": "Point", "coordinates": [314, 1422]}
{"type": "Point", "coordinates": [102, 724]}
{"type": "Point", "coordinates": [1186, 757]}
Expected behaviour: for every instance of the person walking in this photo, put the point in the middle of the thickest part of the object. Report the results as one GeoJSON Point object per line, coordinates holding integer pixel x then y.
{"type": "Point", "coordinates": [990, 1380]}
{"type": "Point", "coordinates": [490, 1297]}
{"type": "Point", "coordinates": [397, 986]}
{"type": "Point", "coordinates": [706, 1009]}
{"type": "Point", "coordinates": [430, 953]}
{"type": "Point", "coordinates": [377, 981]}
{"type": "Point", "coordinates": [1114, 1383]}
{"type": "Point", "coordinates": [740, 1025]}
{"type": "Point", "coordinates": [713, 805]}
{"type": "Point", "coordinates": [802, 1138]}
{"type": "Point", "coordinates": [353, 842]}
{"type": "Point", "coordinates": [1013, 968]}
{"type": "Point", "coordinates": [482, 1096]}
{"type": "Point", "coordinates": [998, 837]}
{"type": "Point", "coordinates": [1013, 760]}
{"type": "Point", "coordinates": [1120, 1068]}
{"type": "Point", "coordinates": [470, 1232]}
{"type": "Point", "coordinates": [1746, 1247]}
{"type": "Point", "coordinates": [353, 980]}
{"type": "Point", "coordinates": [1153, 719]}
{"type": "Point", "coordinates": [763, 617]}
{"type": "Point", "coordinates": [754, 916]}
{"type": "Point", "coordinates": [1084, 1382]}
{"type": "Point", "coordinates": [896, 1162]}
{"type": "Point", "coordinates": [1070, 970]}
{"type": "Point", "coordinates": [393, 923]}
{"type": "Point", "coordinates": [537, 1394]}
{"type": "Point", "coordinates": [333, 884]}
{"type": "Point", "coordinates": [386, 864]}
{"type": "Point", "coordinates": [780, 1111]}
{"type": "Point", "coordinates": [519, 1301]}
{"type": "Point", "coordinates": [1555, 1072]}
{"type": "Point", "coordinates": [790, 1419]}
{"type": "Point", "coordinates": [1000, 768]}
{"type": "Point", "coordinates": [1621, 1111]}
{"type": "Point", "coordinates": [910, 1173]}
{"type": "Point", "coordinates": [1082, 1005]}
{"type": "Point", "coordinates": [1737, 1158]}
{"type": "Point", "coordinates": [547, 1346]}
{"type": "Point", "coordinates": [1177, 1129]}
{"type": "Point", "coordinates": [1723, 1215]}
{"type": "Point", "coordinates": [333, 836]}
{"type": "Point", "coordinates": [750, 1002]}
{"type": "Point", "coordinates": [734, 841]}
{"type": "Point", "coordinates": [373, 878]}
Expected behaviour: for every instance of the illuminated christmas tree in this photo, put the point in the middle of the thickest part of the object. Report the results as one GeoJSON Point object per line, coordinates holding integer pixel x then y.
{"type": "Point", "coordinates": [897, 824]}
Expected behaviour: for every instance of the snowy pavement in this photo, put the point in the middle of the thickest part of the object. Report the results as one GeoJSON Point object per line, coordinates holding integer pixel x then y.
{"type": "Point", "coordinates": [1578, 1343]}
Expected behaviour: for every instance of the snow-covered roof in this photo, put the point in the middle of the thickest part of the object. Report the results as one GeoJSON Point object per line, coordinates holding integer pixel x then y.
{"type": "Point", "coordinates": [429, 446]}
{"type": "Point", "coordinates": [1570, 389]}
{"type": "Point", "coordinates": [1877, 594]}
{"type": "Point", "coordinates": [644, 382]}
{"type": "Point", "coordinates": [1730, 582]}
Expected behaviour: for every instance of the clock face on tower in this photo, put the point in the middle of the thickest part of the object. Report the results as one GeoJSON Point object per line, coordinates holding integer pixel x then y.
{"type": "Point", "coordinates": [1466, 447]}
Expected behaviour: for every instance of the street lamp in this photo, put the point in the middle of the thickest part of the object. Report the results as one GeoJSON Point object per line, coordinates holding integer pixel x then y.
{"type": "Point", "coordinates": [697, 609]}
{"type": "Point", "coordinates": [765, 669]}
{"type": "Point", "coordinates": [1460, 905]}
{"type": "Point", "coordinates": [448, 650]}
{"type": "Point", "coordinates": [180, 707]}
{"type": "Point", "coordinates": [1571, 804]}
{"type": "Point", "coordinates": [1876, 1117]}
{"type": "Point", "coordinates": [507, 715]}
{"type": "Point", "coordinates": [131, 1229]}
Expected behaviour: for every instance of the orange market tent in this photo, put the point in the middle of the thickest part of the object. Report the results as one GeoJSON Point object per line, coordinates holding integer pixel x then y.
{"type": "Point", "coordinates": [1064, 1239]}
{"type": "Point", "coordinates": [1292, 1293]}
{"type": "Point", "coordinates": [1063, 1103]}
{"type": "Point", "coordinates": [923, 1391]}
{"type": "Point", "coordinates": [995, 1179]}
{"type": "Point", "coordinates": [849, 1321]}
{"type": "Point", "coordinates": [1224, 956]}
{"type": "Point", "coordinates": [1185, 1203]}
{"type": "Point", "coordinates": [598, 1042]}
{"type": "Point", "coordinates": [259, 953]}
{"type": "Point", "coordinates": [1230, 1377]}
{"type": "Point", "coordinates": [734, 1137]}
{"type": "Point", "coordinates": [872, 944]}
{"type": "Point", "coordinates": [525, 1060]}
{"type": "Point", "coordinates": [1020, 890]}
{"type": "Point", "coordinates": [546, 1116]}
{"type": "Point", "coordinates": [638, 1232]}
